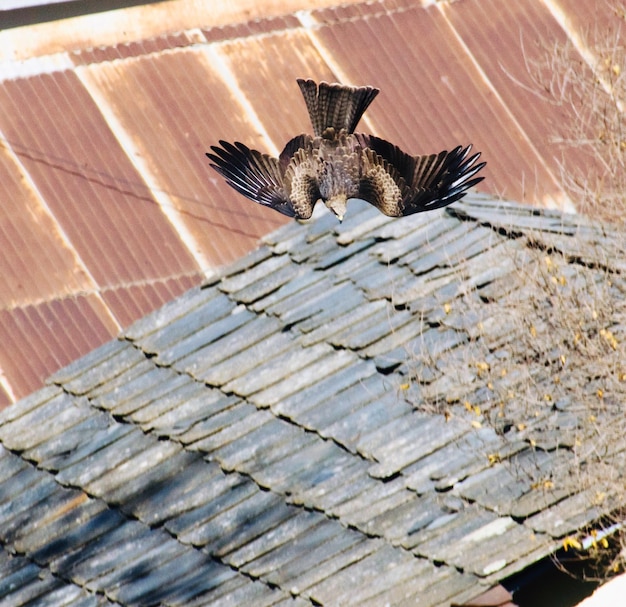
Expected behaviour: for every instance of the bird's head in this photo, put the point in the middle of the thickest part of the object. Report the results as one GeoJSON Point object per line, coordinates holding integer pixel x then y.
{"type": "Point", "coordinates": [337, 204]}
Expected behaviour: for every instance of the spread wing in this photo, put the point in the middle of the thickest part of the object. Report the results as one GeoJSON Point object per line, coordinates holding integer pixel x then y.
{"type": "Point", "coordinates": [257, 176]}
{"type": "Point", "coordinates": [399, 184]}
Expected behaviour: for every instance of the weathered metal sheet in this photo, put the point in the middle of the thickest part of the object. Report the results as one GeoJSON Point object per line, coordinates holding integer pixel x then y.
{"type": "Point", "coordinates": [512, 44]}
{"type": "Point", "coordinates": [69, 328]}
{"type": "Point", "coordinates": [183, 106]}
{"type": "Point", "coordinates": [433, 95]}
{"type": "Point", "coordinates": [81, 171]}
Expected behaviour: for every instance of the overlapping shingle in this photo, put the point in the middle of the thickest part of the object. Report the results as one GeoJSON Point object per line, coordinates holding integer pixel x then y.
{"type": "Point", "coordinates": [288, 427]}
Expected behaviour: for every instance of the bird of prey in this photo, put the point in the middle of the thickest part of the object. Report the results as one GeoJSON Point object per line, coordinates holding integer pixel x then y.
{"type": "Point", "coordinates": [337, 164]}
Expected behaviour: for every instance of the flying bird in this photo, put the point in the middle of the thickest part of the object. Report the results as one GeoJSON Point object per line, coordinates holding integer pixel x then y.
{"type": "Point", "coordinates": [337, 164]}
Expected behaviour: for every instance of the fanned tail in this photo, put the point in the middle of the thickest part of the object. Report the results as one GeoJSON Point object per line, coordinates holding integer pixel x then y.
{"type": "Point", "coordinates": [335, 105]}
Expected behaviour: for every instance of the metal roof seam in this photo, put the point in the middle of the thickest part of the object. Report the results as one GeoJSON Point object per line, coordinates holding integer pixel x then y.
{"type": "Point", "coordinates": [567, 204]}
{"type": "Point", "coordinates": [166, 204]}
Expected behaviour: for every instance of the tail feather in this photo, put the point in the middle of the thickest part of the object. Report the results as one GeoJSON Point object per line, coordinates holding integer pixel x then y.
{"type": "Point", "coordinates": [335, 105]}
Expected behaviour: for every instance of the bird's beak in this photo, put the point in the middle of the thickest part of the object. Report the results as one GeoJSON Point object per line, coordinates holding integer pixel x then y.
{"type": "Point", "coordinates": [337, 204]}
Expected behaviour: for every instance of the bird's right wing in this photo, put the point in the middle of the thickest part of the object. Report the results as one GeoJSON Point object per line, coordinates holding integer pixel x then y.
{"type": "Point", "coordinates": [255, 175]}
{"type": "Point", "coordinates": [400, 184]}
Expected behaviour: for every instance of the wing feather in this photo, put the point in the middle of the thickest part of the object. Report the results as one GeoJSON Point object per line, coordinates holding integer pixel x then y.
{"type": "Point", "coordinates": [426, 182]}
{"type": "Point", "coordinates": [255, 175]}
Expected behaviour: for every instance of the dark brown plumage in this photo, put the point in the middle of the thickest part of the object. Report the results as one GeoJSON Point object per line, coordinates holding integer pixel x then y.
{"type": "Point", "coordinates": [337, 164]}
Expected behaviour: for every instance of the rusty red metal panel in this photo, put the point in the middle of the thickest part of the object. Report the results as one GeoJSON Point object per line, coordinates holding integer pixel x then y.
{"type": "Point", "coordinates": [596, 21]}
{"type": "Point", "coordinates": [177, 105]}
{"type": "Point", "coordinates": [35, 263]}
{"type": "Point", "coordinates": [95, 55]}
{"type": "Point", "coordinates": [5, 398]}
{"type": "Point", "coordinates": [250, 28]}
{"type": "Point", "coordinates": [513, 42]}
{"type": "Point", "coordinates": [269, 82]}
{"type": "Point", "coordinates": [38, 340]}
{"type": "Point", "coordinates": [130, 303]}
{"type": "Point", "coordinates": [100, 201]}
{"type": "Point", "coordinates": [432, 95]}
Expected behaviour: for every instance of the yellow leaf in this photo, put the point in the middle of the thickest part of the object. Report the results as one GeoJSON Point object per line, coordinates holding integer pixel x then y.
{"type": "Point", "coordinates": [600, 393]}
{"type": "Point", "coordinates": [447, 308]}
{"type": "Point", "coordinates": [476, 410]}
{"type": "Point", "coordinates": [476, 424]}
{"type": "Point", "coordinates": [493, 458]}
{"type": "Point", "coordinates": [405, 386]}
{"type": "Point", "coordinates": [571, 542]}
{"type": "Point", "coordinates": [533, 331]}
{"type": "Point", "coordinates": [521, 426]}
{"type": "Point", "coordinates": [468, 405]}
{"type": "Point", "coordinates": [616, 69]}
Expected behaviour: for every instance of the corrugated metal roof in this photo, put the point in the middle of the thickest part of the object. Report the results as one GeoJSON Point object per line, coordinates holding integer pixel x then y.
{"type": "Point", "coordinates": [105, 120]}
{"type": "Point", "coordinates": [362, 413]}
{"type": "Point", "coordinates": [69, 327]}
{"type": "Point", "coordinates": [433, 95]}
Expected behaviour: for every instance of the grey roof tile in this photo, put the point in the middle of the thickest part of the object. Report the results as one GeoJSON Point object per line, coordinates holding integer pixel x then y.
{"type": "Point", "coordinates": [213, 331]}
{"type": "Point", "coordinates": [269, 268]}
{"type": "Point", "coordinates": [340, 317]}
{"type": "Point", "coordinates": [261, 430]}
{"type": "Point", "coordinates": [97, 357]}
{"type": "Point", "coordinates": [111, 447]}
{"type": "Point", "coordinates": [164, 316]}
{"type": "Point", "coordinates": [301, 521]}
{"type": "Point", "coordinates": [178, 485]}
{"type": "Point", "coordinates": [379, 281]}
{"type": "Point", "coordinates": [201, 361]}
{"type": "Point", "coordinates": [125, 393]}
{"type": "Point", "coordinates": [32, 428]}
{"type": "Point", "coordinates": [326, 386]}
{"type": "Point", "coordinates": [328, 363]}
{"type": "Point", "coordinates": [570, 514]}
{"type": "Point", "coordinates": [152, 400]}
{"type": "Point", "coordinates": [273, 369]}
{"type": "Point", "coordinates": [350, 583]}
{"type": "Point", "coordinates": [345, 401]}
{"type": "Point", "coordinates": [293, 293]}
{"type": "Point", "coordinates": [229, 368]}
{"type": "Point", "coordinates": [337, 563]}
{"type": "Point", "coordinates": [120, 360]}
{"type": "Point", "coordinates": [191, 415]}
{"type": "Point", "coordinates": [420, 438]}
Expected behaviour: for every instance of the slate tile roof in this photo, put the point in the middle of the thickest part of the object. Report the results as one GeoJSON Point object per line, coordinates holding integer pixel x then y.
{"type": "Point", "coordinates": [362, 413]}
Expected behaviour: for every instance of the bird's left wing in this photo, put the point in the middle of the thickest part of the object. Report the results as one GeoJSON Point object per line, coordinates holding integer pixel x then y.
{"type": "Point", "coordinates": [257, 176]}
{"type": "Point", "coordinates": [400, 184]}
